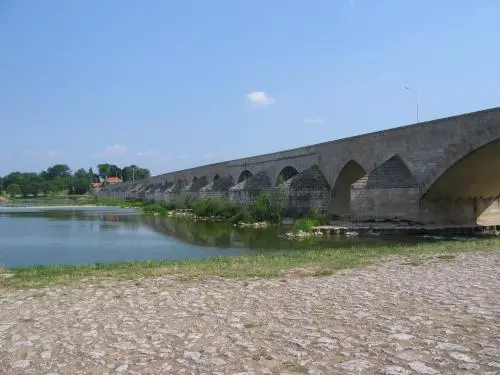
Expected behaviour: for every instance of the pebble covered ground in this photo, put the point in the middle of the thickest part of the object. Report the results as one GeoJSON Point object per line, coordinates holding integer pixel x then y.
{"type": "Point", "coordinates": [434, 315]}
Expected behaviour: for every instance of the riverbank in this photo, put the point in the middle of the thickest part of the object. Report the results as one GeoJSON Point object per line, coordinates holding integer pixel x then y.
{"type": "Point", "coordinates": [428, 315]}
{"type": "Point", "coordinates": [312, 262]}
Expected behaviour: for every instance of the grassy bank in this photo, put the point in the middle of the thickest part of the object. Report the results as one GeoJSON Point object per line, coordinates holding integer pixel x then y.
{"type": "Point", "coordinates": [264, 264]}
{"type": "Point", "coordinates": [52, 200]}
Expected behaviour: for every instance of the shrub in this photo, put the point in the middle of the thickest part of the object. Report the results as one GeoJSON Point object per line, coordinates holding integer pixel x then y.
{"type": "Point", "coordinates": [318, 217]}
{"type": "Point", "coordinates": [268, 207]}
{"type": "Point", "coordinates": [242, 215]}
{"type": "Point", "coordinates": [177, 204]}
{"type": "Point", "coordinates": [260, 207]}
{"type": "Point", "coordinates": [159, 208]}
{"type": "Point", "coordinates": [305, 225]}
{"type": "Point", "coordinates": [208, 207]}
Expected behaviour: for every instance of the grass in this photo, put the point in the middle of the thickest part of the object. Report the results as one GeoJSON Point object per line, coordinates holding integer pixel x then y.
{"type": "Point", "coordinates": [262, 264]}
{"type": "Point", "coordinates": [315, 218]}
{"type": "Point", "coordinates": [305, 225]}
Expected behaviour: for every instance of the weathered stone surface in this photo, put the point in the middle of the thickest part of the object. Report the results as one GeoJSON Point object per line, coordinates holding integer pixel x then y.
{"type": "Point", "coordinates": [393, 370]}
{"type": "Point", "coordinates": [422, 368]}
{"type": "Point", "coordinates": [387, 319]}
{"type": "Point", "coordinates": [439, 171]}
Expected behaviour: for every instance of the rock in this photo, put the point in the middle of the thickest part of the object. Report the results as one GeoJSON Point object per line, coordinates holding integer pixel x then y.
{"type": "Point", "coordinates": [192, 356]}
{"type": "Point", "coordinates": [356, 365]}
{"type": "Point", "coordinates": [21, 364]}
{"type": "Point", "coordinates": [450, 346]}
{"type": "Point", "coordinates": [217, 361]}
{"type": "Point", "coordinates": [468, 366]}
{"type": "Point", "coordinates": [409, 356]}
{"type": "Point", "coordinates": [121, 368]}
{"type": "Point", "coordinates": [422, 368]}
{"type": "Point", "coordinates": [462, 357]}
{"type": "Point", "coordinates": [4, 327]}
{"type": "Point", "coordinates": [401, 337]}
{"type": "Point", "coordinates": [45, 355]}
{"type": "Point", "coordinates": [393, 370]}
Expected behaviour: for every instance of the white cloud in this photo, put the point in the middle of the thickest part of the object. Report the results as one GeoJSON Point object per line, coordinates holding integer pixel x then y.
{"type": "Point", "coordinates": [260, 98]}
{"type": "Point", "coordinates": [146, 154]}
{"type": "Point", "coordinates": [53, 153]}
{"type": "Point", "coordinates": [314, 120]}
{"type": "Point", "coordinates": [115, 150]}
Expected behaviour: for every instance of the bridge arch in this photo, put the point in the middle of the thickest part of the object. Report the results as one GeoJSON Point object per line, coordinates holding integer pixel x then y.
{"type": "Point", "coordinates": [244, 175]}
{"type": "Point", "coordinates": [455, 152]}
{"type": "Point", "coordinates": [285, 174]}
{"type": "Point", "coordinates": [341, 191]}
{"type": "Point", "coordinates": [468, 191]}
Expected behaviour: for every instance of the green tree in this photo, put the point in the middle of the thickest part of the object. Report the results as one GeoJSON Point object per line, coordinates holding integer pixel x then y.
{"type": "Point", "coordinates": [58, 170]}
{"type": "Point", "coordinates": [59, 184]}
{"type": "Point", "coordinates": [13, 190]}
{"type": "Point", "coordinates": [13, 178]}
{"type": "Point", "coordinates": [82, 173]}
{"type": "Point", "coordinates": [47, 187]}
{"type": "Point", "coordinates": [133, 172]}
{"type": "Point", "coordinates": [80, 182]}
{"type": "Point", "coordinates": [108, 170]}
{"type": "Point", "coordinates": [32, 184]}
{"type": "Point", "coordinates": [93, 176]}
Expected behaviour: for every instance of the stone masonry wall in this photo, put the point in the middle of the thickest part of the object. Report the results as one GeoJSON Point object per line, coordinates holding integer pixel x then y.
{"type": "Point", "coordinates": [427, 150]}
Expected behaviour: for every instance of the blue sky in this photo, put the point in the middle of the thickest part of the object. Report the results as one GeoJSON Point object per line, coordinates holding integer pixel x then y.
{"type": "Point", "coordinates": [173, 84]}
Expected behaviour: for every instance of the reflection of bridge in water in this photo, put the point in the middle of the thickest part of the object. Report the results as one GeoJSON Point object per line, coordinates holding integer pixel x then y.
{"type": "Point", "coordinates": [212, 234]}
{"type": "Point", "coordinates": [224, 235]}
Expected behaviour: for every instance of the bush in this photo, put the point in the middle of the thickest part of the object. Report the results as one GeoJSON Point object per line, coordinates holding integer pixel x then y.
{"type": "Point", "coordinates": [178, 204]}
{"type": "Point", "coordinates": [159, 208]}
{"type": "Point", "coordinates": [259, 209]}
{"type": "Point", "coordinates": [318, 217]}
{"type": "Point", "coordinates": [242, 215]}
{"type": "Point", "coordinates": [208, 207]}
{"type": "Point", "coordinates": [268, 207]}
{"type": "Point", "coordinates": [305, 225]}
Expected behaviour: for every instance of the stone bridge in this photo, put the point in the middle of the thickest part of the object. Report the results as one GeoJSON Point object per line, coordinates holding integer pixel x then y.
{"type": "Point", "coordinates": [441, 171]}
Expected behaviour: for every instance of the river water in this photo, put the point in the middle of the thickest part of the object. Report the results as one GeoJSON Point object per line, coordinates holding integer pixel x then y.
{"type": "Point", "coordinates": [78, 235]}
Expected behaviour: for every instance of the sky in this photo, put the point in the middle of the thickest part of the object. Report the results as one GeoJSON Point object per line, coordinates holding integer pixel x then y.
{"type": "Point", "coordinates": [174, 84]}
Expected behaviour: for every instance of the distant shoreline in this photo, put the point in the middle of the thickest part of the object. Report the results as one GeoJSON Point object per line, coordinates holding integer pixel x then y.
{"type": "Point", "coordinates": [4, 209]}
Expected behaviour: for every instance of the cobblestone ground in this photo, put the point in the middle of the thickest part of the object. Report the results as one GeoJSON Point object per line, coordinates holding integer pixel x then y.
{"type": "Point", "coordinates": [397, 317]}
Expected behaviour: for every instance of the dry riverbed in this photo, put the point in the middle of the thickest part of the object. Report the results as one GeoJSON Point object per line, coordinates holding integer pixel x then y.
{"type": "Point", "coordinates": [434, 315]}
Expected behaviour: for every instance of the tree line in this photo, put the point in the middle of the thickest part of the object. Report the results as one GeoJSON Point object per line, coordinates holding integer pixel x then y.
{"type": "Point", "coordinates": [60, 178]}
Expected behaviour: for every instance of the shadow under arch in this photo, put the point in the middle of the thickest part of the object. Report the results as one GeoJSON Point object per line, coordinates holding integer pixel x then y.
{"type": "Point", "coordinates": [468, 191]}
{"type": "Point", "coordinates": [244, 175]}
{"type": "Point", "coordinates": [285, 174]}
{"type": "Point", "coordinates": [341, 191]}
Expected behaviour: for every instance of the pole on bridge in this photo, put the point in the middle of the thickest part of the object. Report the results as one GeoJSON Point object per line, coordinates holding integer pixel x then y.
{"type": "Point", "coordinates": [416, 97]}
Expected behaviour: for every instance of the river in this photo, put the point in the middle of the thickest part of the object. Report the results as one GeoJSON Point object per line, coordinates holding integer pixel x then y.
{"type": "Point", "coordinates": [78, 235]}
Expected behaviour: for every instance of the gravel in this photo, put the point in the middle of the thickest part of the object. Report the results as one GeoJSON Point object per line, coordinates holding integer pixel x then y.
{"type": "Point", "coordinates": [433, 316]}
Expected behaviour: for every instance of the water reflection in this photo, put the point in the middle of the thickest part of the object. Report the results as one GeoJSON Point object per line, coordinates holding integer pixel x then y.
{"type": "Point", "coordinates": [88, 235]}
{"type": "Point", "coordinates": [224, 235]}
